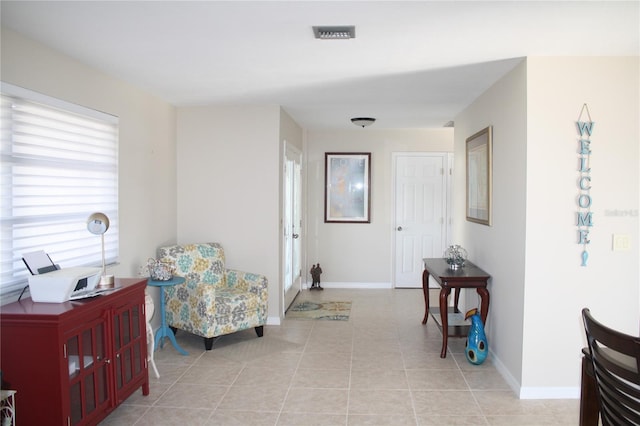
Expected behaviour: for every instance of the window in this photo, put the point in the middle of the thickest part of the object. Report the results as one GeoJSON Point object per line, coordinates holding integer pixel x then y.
{"type": "Point", "coordinates": [59, 164]}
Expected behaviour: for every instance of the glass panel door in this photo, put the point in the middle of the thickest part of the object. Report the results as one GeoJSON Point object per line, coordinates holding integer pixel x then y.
{"type": "Point", "coordinates": [292, 224]}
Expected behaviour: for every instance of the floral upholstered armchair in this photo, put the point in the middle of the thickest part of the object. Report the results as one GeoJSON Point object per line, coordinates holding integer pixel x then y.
{"type": "Point", "coordinates": [213, 300]}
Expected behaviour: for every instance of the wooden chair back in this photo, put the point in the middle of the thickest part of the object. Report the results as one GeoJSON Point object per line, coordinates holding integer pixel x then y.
{"type": "Point", "coordinates": [616, 365]}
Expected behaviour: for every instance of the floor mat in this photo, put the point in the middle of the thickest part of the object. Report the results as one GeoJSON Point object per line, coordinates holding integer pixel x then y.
{"type": "Point", "coordinates": [333, 311]}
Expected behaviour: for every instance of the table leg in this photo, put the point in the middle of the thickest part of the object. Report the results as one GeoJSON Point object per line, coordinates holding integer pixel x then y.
{"type": "Point", "coordinates": [456, 298]}
{"type": "Point", "coordinates": [484, 304]}
{"type": "Point", "coordinates": [159, 336]}
{"type": "Point", "coordinates": [444, 317]}
{"type": "Point", "coordinates": [164, 330]}
{"type": "Point", "coordinates": [425, 290]}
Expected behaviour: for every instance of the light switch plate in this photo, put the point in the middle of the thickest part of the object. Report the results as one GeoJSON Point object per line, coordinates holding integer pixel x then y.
{"type": "Point", "coordinates": [621, 242]}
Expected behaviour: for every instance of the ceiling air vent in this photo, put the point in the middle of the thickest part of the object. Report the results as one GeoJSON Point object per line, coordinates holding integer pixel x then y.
{"type": "Point", "coordinates": [335, 33]}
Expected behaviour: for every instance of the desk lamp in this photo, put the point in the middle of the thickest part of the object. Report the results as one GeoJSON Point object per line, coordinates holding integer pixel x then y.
{"type": "Point", "coordinates": [97, 224]}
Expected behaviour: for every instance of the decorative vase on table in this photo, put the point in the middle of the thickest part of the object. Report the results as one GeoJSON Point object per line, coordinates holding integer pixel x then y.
{"type": "Point", "coordinates": [456, 256]}
{"type": "Point", "coordinates": [476, 347]}
{"type": "Point", "coordinates": [159, 270]}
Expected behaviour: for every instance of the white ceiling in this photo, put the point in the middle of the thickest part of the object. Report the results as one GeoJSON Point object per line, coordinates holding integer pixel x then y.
{"type": "Point", "coordinates": [413, 64]}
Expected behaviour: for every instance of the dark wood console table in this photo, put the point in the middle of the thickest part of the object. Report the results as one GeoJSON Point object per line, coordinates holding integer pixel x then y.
{"type": "Point", "coordinates": [470, 276]}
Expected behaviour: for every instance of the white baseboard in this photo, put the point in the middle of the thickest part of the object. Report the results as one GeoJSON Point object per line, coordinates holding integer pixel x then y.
{"type": "Point", "coordinates": [504, 372]}
{"type": "Point", "coordinates": [533, 392]}
{"type": "Point", "coordinates": [352, 285]}
{"type": "Point", "coordinates": [549, 393]}
{"type": "Point", "coordinates": [273, 321]}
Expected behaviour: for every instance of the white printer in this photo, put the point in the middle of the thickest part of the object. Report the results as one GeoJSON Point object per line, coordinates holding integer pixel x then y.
{"type": "Point", "coordinates": [65, 284]}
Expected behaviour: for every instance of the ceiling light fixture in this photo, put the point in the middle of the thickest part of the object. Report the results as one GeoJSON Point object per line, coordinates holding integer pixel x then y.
{"type": "Point", "coordinates": [335, 33]}
{"type": "Point", "coordinates": [363, 121]}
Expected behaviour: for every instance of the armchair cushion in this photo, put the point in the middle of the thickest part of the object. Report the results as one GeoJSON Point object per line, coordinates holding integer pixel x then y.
{"type": "Point", "coordinates": [213, 300]}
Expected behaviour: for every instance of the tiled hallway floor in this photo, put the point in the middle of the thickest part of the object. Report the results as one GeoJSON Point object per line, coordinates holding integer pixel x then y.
{"type": "Point", "coordinates": [382, 367]}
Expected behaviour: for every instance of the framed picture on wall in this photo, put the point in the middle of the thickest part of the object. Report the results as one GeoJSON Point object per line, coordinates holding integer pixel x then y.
{"type": "Point", "coordinates": [347, 190]}
{"type": "Point", "coordinates": [479, 175]}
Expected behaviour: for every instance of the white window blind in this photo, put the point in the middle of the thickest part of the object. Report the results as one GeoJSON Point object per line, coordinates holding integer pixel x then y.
{"type": "Point", "coordinates": [59, 164]}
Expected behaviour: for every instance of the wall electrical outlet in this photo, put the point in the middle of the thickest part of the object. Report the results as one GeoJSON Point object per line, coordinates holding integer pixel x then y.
{"type": "Point", "coordinates": [621, 242]}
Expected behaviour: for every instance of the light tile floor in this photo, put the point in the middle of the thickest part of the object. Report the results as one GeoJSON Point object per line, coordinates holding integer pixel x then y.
{"type": "Point", "coordinates": [382, 367]}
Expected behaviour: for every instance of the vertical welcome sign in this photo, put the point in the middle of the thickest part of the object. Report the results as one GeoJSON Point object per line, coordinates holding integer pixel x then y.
{"type": "Point", "coordinates": [584, 214]}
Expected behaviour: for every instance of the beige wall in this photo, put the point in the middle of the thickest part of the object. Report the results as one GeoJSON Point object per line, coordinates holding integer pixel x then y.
{"type": "Point", "coordinates": [499, 249]}
{"type": "Point", "coordinates": [610, 284]}
{"type": "Point", "coordinates": [147, 144]}
{"type": "Point", "coordinates": [360, 254]}
{"type": "Point", "coordinates": [229, 185]}
{"type": "Point", "coordinates": [538, 286]}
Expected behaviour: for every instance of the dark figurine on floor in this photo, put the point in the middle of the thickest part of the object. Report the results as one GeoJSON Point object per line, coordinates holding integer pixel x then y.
{"type": "Point", "coordinates": [315, 276]}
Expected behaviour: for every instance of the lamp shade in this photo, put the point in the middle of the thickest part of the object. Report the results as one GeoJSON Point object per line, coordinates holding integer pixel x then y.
{"type": "Point", "coordinates": [98, 223]}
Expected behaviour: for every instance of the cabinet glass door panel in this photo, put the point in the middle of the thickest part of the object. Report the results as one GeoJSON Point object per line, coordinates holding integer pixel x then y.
{"type": "Point", "coordinates": [100, 342]}
{"type": "Point", "coordinates": [126, 328]}
{"type": "Point", "coordinates": [88, 370]}
{"type": "Point", "coordinates": [89, 393]}
{"type": "Point", "coordinates": [75, 381]}
{"type": "Point", "coordinates": [135, 320]}
{"type": "Point", "coordinates": [137, 354]}
{"type": "Point", "coordinates": [128, 372]}
{"type": "Point", "coordinates": [86, 360]}
{"type": "Point", "coordinates": [131, 349]}
{"type": "Point", "coordinates": [116, 333]}
{"type": "Point", "coordinates": [102, 384]}
{"type": "Point", "coordinates": [118, 371]}
{"type": "Point", "coordinates": [76, 403]}
{"type": "Point", "coordinates": [72, 351]}
{"type": "Point", "coordinates": [96, 385]}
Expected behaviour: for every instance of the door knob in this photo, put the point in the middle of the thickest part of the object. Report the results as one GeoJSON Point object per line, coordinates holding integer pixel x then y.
{"type": "Point", "coordinates": [399, 228]}
{"type": "Point", "coordinates": [295, 236]}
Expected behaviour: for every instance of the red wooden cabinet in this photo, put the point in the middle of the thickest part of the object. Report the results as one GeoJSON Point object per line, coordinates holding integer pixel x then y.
{"type": "Point", "coordinates": [72, 363]}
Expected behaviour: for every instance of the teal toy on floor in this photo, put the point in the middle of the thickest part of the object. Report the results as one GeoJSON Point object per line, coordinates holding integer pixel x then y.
{"type": "Point", "coordinates": [477, 347]}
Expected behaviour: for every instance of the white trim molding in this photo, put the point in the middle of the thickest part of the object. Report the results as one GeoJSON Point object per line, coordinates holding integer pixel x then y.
{"type": "Point", "coordinates": [374, 286]}
{"type": "Point", "coordinates": [273, 321]}
{"type": "Point", "coordinates": [549, 393]}
{"type": "Point", "coordinates": [533, 392]}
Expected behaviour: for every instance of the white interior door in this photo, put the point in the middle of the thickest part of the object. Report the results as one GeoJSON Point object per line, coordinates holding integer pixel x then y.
{"type": "Point", "coordinates": [292, 224]}
{"type": "Point", "coordinates": [420, 214]}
